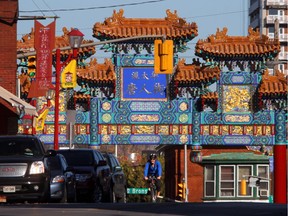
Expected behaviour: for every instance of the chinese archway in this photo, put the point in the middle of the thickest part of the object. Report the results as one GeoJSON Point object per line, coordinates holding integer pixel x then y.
{"type": "Point", "coordinates": [122, 101]}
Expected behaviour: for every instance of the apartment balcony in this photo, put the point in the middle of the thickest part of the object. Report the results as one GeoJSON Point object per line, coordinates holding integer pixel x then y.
{"type": "Point", "coordinates": [282, 4]}
{"type": "Point", "coordinates": [282, 56]}
{"type": "Point", "coordinates": [282, 37]}
{"type": "Point", "coordinates": [272, 72]}
{"type": "Point", "coordinates": [270, 19]}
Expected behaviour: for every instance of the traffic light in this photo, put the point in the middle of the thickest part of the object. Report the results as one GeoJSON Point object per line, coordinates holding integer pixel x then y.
{"type": "Point", "coordinates": [163, 57]}
{"type": "Point", "coordinates": [31, 65]}
{"type": "Point", "coordinates": [182, 190]}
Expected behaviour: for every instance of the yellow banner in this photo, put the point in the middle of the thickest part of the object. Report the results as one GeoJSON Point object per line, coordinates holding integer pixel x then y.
{"type": "Point", "coordinates": [41, 120]}
{"type": "Point", "coordinates": [68, 76]}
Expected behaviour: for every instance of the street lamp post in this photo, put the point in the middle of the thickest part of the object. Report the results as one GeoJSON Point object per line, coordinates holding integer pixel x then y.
{"type": "Point", "coordinates": [75, 40]}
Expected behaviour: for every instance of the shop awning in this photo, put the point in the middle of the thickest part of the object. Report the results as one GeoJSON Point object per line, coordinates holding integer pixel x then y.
{"type": "Point", "coordinates": [18, 103]}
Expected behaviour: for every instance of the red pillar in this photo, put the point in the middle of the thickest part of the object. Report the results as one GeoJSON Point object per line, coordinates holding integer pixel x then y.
{"type": "Point", "coordinates": [280, 174]}
{"type": "Point", "coordinates": [57, 93]}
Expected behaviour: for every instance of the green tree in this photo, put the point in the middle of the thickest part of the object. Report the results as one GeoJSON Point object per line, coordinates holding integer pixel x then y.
{"type": "Point", "coordinates": [135, 177]}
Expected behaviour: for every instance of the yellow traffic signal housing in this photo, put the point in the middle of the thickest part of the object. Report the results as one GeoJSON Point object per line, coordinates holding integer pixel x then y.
{"type": "Point", "coordinates": [31, 65]}
{"type": "Point", "coordinates": [182, 190]}
{"type": "Point", "coordinates": [163, 57]}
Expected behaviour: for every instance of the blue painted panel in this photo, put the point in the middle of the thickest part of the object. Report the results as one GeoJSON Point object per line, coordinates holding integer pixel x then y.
{"type": "Point", "coordinates": [145, 139]}
{"type": "Point", "coordinates": [145, 112]}
{"type": "Point", "coordinates": [82, 139]}
{"type": "Point", "coordinates": [264, 117]}
{"type": "Point", "coordinates": [237, 140]}
{"type": "Point", "coordinates": [136, 60]}
{"type": "Point", "coordinates": [49, 138]}
{"type": "Point", "coordinates": [142, 83]}
{"type": "Point", "coordinates": [82, 117]}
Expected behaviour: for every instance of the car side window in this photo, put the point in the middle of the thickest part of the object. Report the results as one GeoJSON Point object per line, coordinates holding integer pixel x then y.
{"type": "Point", "coordinates": [113, 161]}
{"type": "Point", "coordinates": [97, 158]}
{"type": "Point", "coordinates": [116, 161]}
{"type": "Point", "coordinates": [63, 162]}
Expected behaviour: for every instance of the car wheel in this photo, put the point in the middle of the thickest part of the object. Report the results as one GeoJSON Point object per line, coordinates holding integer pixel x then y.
{"type": "Point", "coordinates": [97, 194]}
{"type": "Point", "coordinates": [114, 200]}
{"type": "Point", "coordinates": [64, 198]}
{"type": "Point", "coordinates": [123, 199]}
{"type": "Point", "coordinates": [73, 199]}
{"type": "Point", "coordinates": [46, 197]}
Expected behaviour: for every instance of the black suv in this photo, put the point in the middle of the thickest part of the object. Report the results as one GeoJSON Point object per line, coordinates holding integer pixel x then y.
{"type": "Point", "coordinates": [23, 173]}
{"type": "Point", "coordinates": [118, 179]}
{"type": "Point", "coordinates": [92, 173]}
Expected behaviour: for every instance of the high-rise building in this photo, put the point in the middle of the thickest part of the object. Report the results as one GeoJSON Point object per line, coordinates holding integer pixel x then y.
{"type": "Point", "coordinates": [263, 15]}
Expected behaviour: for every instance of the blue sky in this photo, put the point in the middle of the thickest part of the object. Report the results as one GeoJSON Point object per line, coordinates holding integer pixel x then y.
{"type": "Point", "coordinates": [208, 14]}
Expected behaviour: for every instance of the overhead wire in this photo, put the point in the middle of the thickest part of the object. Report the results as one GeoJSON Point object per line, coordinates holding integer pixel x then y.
{"type": "Point", "coordinates": [217, 14]}
{"type": "Point", "coordinates": [98, 7]}
{"type": "Point", "coordinates": [38, 8]}
{"type": "Point", "coordinates": [49, 8]}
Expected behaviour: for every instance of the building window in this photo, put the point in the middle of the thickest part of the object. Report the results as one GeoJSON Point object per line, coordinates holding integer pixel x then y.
{"type": "Point", "coordinates": [243, 173]}
{"type": "Point", "coordinates": [210, 182]}
{"type": "Point", "coordinates": [224, 181]}
{"type": "Point", "coordinates": [273, 11]}
{"type": "Point", "coordinates": [271, 29]}
{"type": "Point", "coordinates": [227, 184]}
{"type": "Point", "coordinates": [263, 171]}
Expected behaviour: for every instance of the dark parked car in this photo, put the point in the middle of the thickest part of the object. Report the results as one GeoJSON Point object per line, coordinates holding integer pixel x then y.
{"type": "Point", "coordinates": [118, 179]}
{"type": "Point", "coordinates": [23, 174]}
{"type": "Point", "coordinates": [92, 173]}
{"type": "Point", "coordinates": [63, 180]}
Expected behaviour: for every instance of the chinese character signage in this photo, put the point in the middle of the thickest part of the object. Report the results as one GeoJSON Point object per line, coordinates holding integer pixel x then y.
{"type": "Point", "coordinates": [143, 83]}
{"type": "Point", "coordinates": [44, 44]}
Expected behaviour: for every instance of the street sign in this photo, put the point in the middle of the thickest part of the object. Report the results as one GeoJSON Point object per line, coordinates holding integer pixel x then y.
{"type": "Point", "coordinates": [137, 190]}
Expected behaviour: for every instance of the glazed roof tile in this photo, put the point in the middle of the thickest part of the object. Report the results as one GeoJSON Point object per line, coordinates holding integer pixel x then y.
{"type": "Point", "coordinates": [194, 73]}
{"type": "Point", "coordinates": [118, 26]}
{"type": "Point", "coordinates": [210, 96]}
{"type": "Point", "coordinates": [222, 44]}
{"type": "Point", "coordinates": [273, 84]}
{"type": "Point", "coordinates": [26, 44]}
{"type": "Point", "coordinates": [97, 72]}
{"type": "Point", "coordinates": [236, 156]}
{"type": "Point", "coordinates": [79, 96]}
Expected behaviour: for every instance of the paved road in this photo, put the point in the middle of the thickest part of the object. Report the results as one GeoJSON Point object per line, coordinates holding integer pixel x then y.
{"type": "Point", "coordinates": [147, 209]}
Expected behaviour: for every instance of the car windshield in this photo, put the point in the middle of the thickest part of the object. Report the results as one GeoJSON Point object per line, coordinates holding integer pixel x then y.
{"type": "Point", "coordinates": [19, 147]}
{"type": "Point", "coordinates": [78, 158]}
